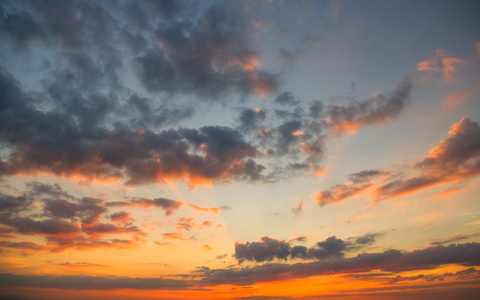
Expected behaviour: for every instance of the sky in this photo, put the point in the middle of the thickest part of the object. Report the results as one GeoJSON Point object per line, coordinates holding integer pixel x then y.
{"type": "Point", "coordinates": [239, 149]}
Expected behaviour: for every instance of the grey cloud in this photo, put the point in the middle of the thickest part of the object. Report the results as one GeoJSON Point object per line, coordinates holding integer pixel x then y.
{"type": "Point", "coordinates": [12, 204]}
{"type": "Point", "coordinates": [331, 247]}
{"type": "Point", "coordinates": [168, 205]}
{"type": "Point", "coordinates": [265, 250]}
{"type": "Point", "coordinates": [26, 225]}
{"type": "Point", "coordinates": [210, 58]}
{"type": "Point", "coordinates": [91, 282]}
{"type": "Point", "coordinates": [316, 108]}
{"type": "Point", "coordinates": [457, 158]}
{"type": "Point", "coordinates": [251, 119]}
{"type": "Point", "coordinates": [367, 239]}
{"type": "Point", "coordinates": [22, 245]}
{"type": "Point", "coordinates": [377, 109]}
{"type": "Point", "coordinates": [390, 260]}
{"type": "Point", "coordinates": [286, 98]}
{"type": "Point", "coordinates": [268, 249]}
{"type": "Point", "coordinates": [365, 175]}
{"type": "Point", "coordinates": [85, 148]}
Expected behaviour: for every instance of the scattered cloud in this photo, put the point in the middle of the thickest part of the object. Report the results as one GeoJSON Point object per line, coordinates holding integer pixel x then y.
{"type": "Point", "coordinates": [378, 109]}
{"type": "Point", "coordinates": [457, 158]}
{"type": "Point", "coordinates": [441, 63]}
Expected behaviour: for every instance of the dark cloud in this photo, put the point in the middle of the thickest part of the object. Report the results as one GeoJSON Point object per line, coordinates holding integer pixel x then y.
{"type": "Point", "coordinates": [21, 29]}
{"type": "Point", "coordinates": [268, 249]}
{"type": "Point", "coordinates": [121, 216]}
{"type": "Point", "coordinates": [286, 98]}
{"type": "Point", "coordinates": [287, 137]}
{"type": "Point", "coordinates": [62, 208]}
{"type": "Point", "coordinates": [377, 109]}
{"type": "Point", "coordinates": [22, 245]}
{"type": "Point", "coordinates": [52, 142]}
{"type": "Point", "coordinates": [456, 238]}
{"type": "Point", "coordinates": [63, 224]}
{"type": "Point", "coordinates": [367, 239]}
{"type": "Point", "coordinates": [166, 204]}
{"type": "Point", "coordinates": [470, 273]}
{"type": "Point", "coordinates": [94, 283]}
{"type": "Point", "coordinates": [26, 225]}
{"type": "Point", "coordinates": [457, 158]}
{"type": "Point", "coordinates": [299, 239]}
{"type": "Point", "coordinates": [37, 189]}
{"type": "Point", "coordinates": [210, 58]}
{"type": "Point", "coordinates": [316, 108]}
{"type": "Point", "coordinates": [12, 204]}
{"type": "Point", "coordinates": [390, 260]}
{"type": "Point", "coordinates": [365, 175]}
{"type": "Point", "coordinates": [250, 119]}
{"type": "Point", "coordinates": [299, 252]}
{"type": "Point", "coordinates": [265, 250]}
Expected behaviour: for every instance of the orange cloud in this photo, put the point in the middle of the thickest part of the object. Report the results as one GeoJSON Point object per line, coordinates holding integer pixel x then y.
{"type": "Point", "coordinates": [440, 63]}
{"type": "Point", "coordinates": [213, 210]}
{"type": "Point", "coordinates": [338, 193]}
{"type": "Point", "coordinates": [457, 158]}
{"type": "Point", "coordinates": [456, 98]}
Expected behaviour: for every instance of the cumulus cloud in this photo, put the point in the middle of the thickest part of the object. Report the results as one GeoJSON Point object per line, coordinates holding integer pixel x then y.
{"type": "Point", "coordinates": [268, 249]}
{"type": "Point", "coordinates": [265, 250]}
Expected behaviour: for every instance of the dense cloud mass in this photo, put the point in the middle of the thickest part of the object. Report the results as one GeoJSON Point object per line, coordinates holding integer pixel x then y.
{"type": "Point", "coordinates": [390, 262]}
{"type": "Point", "coordinates": [84, 119]}
{"type": "Point", "coordinates": [269, 249]}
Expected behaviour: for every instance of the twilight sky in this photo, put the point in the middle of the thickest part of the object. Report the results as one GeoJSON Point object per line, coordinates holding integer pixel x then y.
{"type": "Point", "coordinates": [261, 149]}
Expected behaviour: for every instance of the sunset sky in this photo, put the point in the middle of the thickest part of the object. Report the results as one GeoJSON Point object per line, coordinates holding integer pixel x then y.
{"type": "Point", "coordinates": [239, 149]}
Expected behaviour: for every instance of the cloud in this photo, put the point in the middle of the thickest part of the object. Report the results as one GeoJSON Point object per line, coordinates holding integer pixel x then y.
{"type": "Point", "coordinates": [359, 182]}
{"type": "Point", "coordinates": [440, 63]}
{"type": "Point", "coordinates": [63, 224]}
{"type": "Point", "coordinates": [166, 204]}
{"type": "Point", "coordinates": [457, 158]}
{"type": "Point", "coordinates": [26, 225]}
{"type": "Point", "coordinates": [366, 175]}
{"type": "Point", "coordinates": [210, 58]}
{"type": "Point", "coordinates": [367, 239]}
{"type": "Point", "coordinates": [268, 249]}
{"type": "Point", "coordinates": [94, 283]}
{"type": "Point", "coordinates": [338, 193]}
{"type": "Point", "coordinates": [12, 204]}
{"type": "Point", "coordinates": [378, 109]}
{"type": "Point", "coordinates": [286, 98]}
{"type": "Point", "coordinates": [121, 217]}
{"type": "Point", "coordinates": [251, 119]}
{"type": "Point", "coordinates": [22, 245]}
{"type": "Point", "coordinates": [265, 250]}
{"type": "Point", "coordinates": [389, 261]}
{"type": "Point", "coordinates": [456, 238]}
